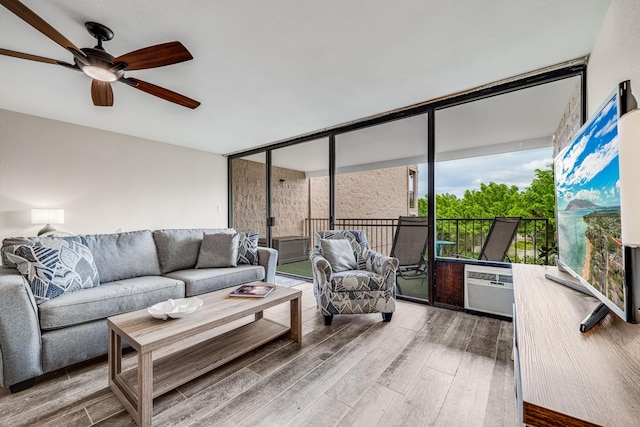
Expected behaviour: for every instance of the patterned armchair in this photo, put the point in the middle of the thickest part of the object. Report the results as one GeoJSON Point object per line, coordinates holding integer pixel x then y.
{"type": "Point", "coordinates": [368, 287]}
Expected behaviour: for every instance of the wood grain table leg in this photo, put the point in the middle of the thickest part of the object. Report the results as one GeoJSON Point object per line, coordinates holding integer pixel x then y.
{"type": "Point", "coordinates": [296, 319]}
{"type": "Point", "coordinates": [259, 315]}
{"type": "Point", "coordinates": [114, 354]}
{"type": "Point", "coordinates": [145, 388]}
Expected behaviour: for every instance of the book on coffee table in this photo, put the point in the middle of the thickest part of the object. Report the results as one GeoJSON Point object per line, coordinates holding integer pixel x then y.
{"type": "Point", "coordinates": [253, 291]}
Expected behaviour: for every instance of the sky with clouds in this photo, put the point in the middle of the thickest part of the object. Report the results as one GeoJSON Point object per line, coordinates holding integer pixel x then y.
{"type": "Point", "coordinates": [588, 169]}
{"type": "Point", "coordinates": [457, 176]}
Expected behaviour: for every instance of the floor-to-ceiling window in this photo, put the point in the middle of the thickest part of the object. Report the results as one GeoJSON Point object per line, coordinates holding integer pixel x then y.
{"type": "Point", "coordinates": [489, 153]}
{"type": "Point", "coordinates": [377, 169]}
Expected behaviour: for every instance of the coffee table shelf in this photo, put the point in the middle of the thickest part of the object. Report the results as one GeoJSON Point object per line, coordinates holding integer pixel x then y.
{"type": "Point", "coordinates": [174, 352]}
{"type": "Point", "coordinates": [183, 366]}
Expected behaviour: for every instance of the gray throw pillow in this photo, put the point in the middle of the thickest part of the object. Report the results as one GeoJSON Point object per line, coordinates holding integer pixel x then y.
{"type": "Point", "coordinates": [339, 254]}
{"type": "Point", "coordinates": [218, 250]}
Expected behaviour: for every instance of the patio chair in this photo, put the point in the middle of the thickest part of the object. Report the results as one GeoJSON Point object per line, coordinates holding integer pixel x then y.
{"type": "Point", "coordinates": [349, 277]}
{"type": "Point", "coordinates": [501, 234]}
{"type": "Point", "coordinates": [410, 245]}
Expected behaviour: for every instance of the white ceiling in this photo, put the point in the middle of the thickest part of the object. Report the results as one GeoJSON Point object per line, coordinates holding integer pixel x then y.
{"type": "Point", "coordinates": [516, 121]}
{"type": "Point", "coordinates": [269, 70]}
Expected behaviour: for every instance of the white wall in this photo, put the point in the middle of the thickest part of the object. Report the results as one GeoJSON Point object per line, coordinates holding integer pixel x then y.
{"type": "Point", "coordinates": [616, 53]}
{"type": "Point", "coordinates": [104, 180]}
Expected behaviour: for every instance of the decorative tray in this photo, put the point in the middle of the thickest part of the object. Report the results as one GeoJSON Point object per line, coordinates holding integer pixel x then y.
{"type": "Point", "coordinates": [175, 308]}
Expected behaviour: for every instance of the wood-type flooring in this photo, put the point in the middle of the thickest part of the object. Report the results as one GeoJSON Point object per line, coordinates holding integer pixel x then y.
{"type": "Point", "coordinates": [428, 366]}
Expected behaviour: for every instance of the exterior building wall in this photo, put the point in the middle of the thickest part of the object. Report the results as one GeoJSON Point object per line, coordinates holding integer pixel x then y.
{"type": "Point", "coordinates": [375, 194]}
{"type": "Point", "coordinates": [289, 194]}
{"type": "Point", "coordinates": [380, 193]}
{"type": "Point", "coordinates": [289, 201]}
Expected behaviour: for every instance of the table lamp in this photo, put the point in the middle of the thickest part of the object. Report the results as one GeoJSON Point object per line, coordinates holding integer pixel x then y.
{"type": "Point", "coordinates": [48, 217]}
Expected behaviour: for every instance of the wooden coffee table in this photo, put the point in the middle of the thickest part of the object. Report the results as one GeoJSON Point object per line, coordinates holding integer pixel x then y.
{"type": "Point", "coordinates": [175, 351]}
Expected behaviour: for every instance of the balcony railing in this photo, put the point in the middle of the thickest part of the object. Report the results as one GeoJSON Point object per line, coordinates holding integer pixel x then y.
{"type": "Point", "coordinates": [455, 236]}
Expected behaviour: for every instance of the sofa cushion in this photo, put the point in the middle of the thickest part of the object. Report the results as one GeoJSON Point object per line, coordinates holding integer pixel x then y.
{"type": "Point", "coordinates": [124, 255]}
{"type": "Point", "coordinates": [54, 267]}
{"type": "Point", "coordinates": [178, 249]}
{"type": "Point", "coordinates": [200, 281]}
{"type": "Point", "coordinates": [248, 248]}
{"type": "Point", "coordinates": [107, 300]}
{"type": "Point", "coordinates": [218, 250]}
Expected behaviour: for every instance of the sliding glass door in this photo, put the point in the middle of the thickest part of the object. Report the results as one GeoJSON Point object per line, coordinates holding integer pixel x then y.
{"type": "Point", "coordinates": [299, 202]}
{"type": "Point", "coordinates": [378, 180]}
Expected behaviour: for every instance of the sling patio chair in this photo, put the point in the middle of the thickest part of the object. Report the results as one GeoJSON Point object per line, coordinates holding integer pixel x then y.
{"type": "Point", "coordinates": [409, 246]}
{"type": "Point", "coordinates": [502, 232]}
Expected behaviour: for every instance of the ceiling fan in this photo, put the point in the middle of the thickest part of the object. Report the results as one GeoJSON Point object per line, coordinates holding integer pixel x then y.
{"type": "Point", "coordinates": [102, 67]}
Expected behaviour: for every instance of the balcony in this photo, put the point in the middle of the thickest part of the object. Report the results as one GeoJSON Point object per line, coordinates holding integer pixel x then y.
{"type": "Point", "coordinates": [461, 237]}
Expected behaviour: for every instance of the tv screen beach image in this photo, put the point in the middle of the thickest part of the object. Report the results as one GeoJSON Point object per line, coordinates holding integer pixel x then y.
{"type": "Point", "coordinates": [588, 204]}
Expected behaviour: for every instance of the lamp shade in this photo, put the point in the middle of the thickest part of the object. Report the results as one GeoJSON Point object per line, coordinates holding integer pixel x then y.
{"type": "Point", "coordinates": [629, 159]}
{"type": "Point", "coordinates": [47, 216]}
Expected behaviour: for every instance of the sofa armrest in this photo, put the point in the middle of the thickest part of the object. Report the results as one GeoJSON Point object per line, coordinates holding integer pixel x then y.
{"type": "Point", "coordinates": [268, 258]}
{"type": "Point", "coordinates": [20, 344]}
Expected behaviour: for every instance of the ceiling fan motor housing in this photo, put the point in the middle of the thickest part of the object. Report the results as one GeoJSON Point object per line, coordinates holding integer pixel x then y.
{"type": "Point", "coordinates": [99, 60]}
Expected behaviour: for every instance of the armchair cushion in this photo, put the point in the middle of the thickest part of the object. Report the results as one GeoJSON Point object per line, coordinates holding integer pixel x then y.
{"type": "Point", "coordinates": [339, 254]}
{"type": "Point", "coordinates": [357, 239]}
{"type": "Point", "coordinates": [357, 280]}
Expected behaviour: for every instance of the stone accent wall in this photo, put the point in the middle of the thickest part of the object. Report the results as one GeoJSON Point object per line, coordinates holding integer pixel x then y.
{"type": "Point", "coordinates": [319, 188]}
{"type": "Point", "coordinates": [569, 122]}
{"type": "Point", "coordinates": [289, 201]}
{"type": "Point", "coordinates": [249, 202]}
{"type": "Point", "coordinates": [289, 192]}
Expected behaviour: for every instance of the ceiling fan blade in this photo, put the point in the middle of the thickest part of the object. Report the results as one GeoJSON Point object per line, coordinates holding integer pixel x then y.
{"type": "Point", "coordinates": [161, 92]}
{"type": "Point", "coordinates": [30, 57]}
{"type": "Point", "coordinates": [155, 56]}
{"type": "Point", "coordinates": [38, 23]}
{"type": "Point", "coordinates": [101, 93]}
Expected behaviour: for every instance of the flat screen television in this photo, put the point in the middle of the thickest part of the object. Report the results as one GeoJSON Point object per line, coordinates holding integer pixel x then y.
{"type": "Point", "coordinates": [587, 183]}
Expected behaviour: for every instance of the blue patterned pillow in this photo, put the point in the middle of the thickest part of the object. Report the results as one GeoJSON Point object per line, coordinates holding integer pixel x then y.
{"type": "Point", "coordinates": [10, 244]}
{"type": "Point", "coordinates": [54, 267]}
{"type": "Point", "coordinates": [248, 248]}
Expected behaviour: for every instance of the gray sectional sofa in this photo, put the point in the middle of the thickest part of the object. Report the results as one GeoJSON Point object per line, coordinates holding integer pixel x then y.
{"type": "Point", "coordinates": [136, 270]}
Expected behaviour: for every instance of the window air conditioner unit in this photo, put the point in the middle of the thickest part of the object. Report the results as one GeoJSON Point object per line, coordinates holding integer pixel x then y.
{"type": "Point", "coordinates": [488, 289]}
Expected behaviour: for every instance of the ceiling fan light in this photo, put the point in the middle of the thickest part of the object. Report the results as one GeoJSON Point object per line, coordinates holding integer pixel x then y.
{"type": "Point", "coordinates": [99, 73]}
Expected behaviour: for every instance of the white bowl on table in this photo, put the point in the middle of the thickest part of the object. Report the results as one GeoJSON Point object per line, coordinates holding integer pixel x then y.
{"type": "Point", "coordinates": [174, 308]}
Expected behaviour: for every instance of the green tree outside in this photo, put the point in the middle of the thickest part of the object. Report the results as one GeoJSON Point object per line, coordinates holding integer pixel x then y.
{"type": "Point", "coordinates": [491, 200]}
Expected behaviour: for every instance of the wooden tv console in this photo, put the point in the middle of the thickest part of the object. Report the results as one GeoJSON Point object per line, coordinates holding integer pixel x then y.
{"type": "Point", "coordinates": [565, 377]}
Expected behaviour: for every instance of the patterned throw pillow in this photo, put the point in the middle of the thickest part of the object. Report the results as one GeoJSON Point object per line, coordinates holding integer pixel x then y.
{"type": "Point", "coordinates": [10, 244]}
{"type": "Point", "coordinates": [248, 248]}
{"type": "Point", "coordinates": [54, 267]}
